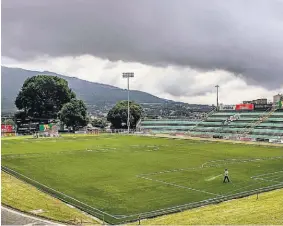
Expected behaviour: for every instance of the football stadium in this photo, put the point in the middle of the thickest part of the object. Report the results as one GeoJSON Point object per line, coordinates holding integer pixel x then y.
{"type": "Point", "coordinates": [164, 168]}
{"type": "Point", "coordinates": [142, 112]}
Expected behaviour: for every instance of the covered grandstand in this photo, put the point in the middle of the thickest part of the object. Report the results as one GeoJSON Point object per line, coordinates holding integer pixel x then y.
{"type": "Point", "coordinates": [236, 124]}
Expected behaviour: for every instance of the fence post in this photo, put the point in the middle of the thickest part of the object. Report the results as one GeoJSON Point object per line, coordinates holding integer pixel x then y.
{"type": "Point", "coordinates": [257, 196]}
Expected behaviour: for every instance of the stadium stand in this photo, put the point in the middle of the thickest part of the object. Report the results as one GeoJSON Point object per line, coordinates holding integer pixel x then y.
{"type": "Point", "coordinates": [167, 126]}
{"type": "Point", "coordinates": [251, 125]}
{"type": "Point", "coordinates": [236, 125]}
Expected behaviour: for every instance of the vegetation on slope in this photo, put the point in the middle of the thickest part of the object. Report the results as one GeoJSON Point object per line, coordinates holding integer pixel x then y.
{"type": "Point", "coordinates": [267, 210]}
{"type": "Point", "coordinates": [90, 92]}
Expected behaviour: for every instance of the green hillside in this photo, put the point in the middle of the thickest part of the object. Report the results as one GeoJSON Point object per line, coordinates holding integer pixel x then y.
{"type": "Point", "coordinates": [92, 93]}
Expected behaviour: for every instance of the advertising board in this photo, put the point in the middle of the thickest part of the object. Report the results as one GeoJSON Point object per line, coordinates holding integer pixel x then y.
{"type": "Point", "coordinates": [262, 107]}
{"type": "Point", "coordinates": [13, 134]}
{"type": "Point", "coordinates": [179, 134]}
{"type": "Point", "coordinates": [262, 139]}
{"type": "Point", "coordinates": [205, 136]}
{"type": "Point", "coordinates": [245, 139]}
{"type": "Point", "coordinates": [248, 107]}
{"type": "Point", "coordinates": [45, 127]}
{"type": "Point", "coordinates": [6, 128]}
{"type": "Point", "coordinates": [26, 127]}
{"type": "Point", "coordinates": [227, 107]}
{"type": "Point", "coordinates": [275, 141]}
{"type": "Point", "coordinates": [80, 132]}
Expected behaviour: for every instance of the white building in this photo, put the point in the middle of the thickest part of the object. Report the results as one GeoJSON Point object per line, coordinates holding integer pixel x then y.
{"type": "Point", "coordinates": [276, 98]}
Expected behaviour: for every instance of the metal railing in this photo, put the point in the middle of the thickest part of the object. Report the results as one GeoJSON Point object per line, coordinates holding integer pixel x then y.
{"type": "Point", "coordinates": [203, 120]}
{"type": "Point", "coordinates": [263, 118]}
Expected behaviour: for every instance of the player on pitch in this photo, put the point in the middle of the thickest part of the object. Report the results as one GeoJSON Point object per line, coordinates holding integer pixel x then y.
{"type": "Point", "coordinates": [226, 176]}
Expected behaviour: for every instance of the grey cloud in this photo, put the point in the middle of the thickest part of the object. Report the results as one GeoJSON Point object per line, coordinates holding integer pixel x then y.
{"type": "Point", "coordinates": [243, 37]}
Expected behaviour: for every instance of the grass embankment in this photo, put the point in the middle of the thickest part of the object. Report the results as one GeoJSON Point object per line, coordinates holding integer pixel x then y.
{"type": "Point", "coordinates": [267, 210]}
{"type": "Point", "coordinates": [27, 198]}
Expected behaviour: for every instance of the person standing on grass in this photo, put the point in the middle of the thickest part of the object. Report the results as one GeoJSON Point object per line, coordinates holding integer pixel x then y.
{"type": "Point", "coordinates": [226, 177]}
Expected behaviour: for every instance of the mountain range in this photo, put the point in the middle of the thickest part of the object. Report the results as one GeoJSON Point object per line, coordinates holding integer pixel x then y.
{"type": "Point", "coordinates": [94, 94]}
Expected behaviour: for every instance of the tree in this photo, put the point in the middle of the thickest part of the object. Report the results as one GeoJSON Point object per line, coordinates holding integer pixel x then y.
{"type": "Point", "coordinates": [74, 114]}
{"type": "Point", "coordinates": [99, 123]}
{"type": "Point", "coordinates": [43, 96]}
{"type": "Point", "coordinates": [118, 115]}
{"type": "Point", "coordinates": [8, 121]}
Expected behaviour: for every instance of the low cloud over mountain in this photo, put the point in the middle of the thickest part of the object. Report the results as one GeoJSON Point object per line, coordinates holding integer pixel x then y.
{"type": "Point", "coordinates": [238, 38]}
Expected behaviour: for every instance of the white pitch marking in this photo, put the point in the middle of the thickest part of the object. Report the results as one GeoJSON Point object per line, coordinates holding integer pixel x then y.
{"type": "Point", "coordinates": [267, 174]}
{"type": "Point", "coordinates": [279, 182]}
{"type": "Point", "coordinates": [179, 186]}
{"type": "Point", "coordinates": [63, 194]}
{"type": "Point", "coordinates": [213, 178]}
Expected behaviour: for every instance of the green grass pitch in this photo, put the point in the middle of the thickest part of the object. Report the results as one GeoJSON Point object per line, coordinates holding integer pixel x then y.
{"type": "Point", "coordinates": [122, 177]}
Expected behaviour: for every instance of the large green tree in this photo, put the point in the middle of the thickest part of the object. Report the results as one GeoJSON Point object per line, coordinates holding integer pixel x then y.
{"type": "Point", "coordinates": [43, 96]}
{"type": "Point", "coordinates": [118, 115]}
{"type": "Point", "coordinates": [74, 114]}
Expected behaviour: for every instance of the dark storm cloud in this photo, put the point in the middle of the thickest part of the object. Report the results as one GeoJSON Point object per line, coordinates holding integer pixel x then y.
{"type": "Point", "coordinates": [240, 36]}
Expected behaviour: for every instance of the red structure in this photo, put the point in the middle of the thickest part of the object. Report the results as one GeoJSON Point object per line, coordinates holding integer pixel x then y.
{"type": "Point", "coordinates": [7, 130]}
{"type": "Point", "coordinates": [240, 107]}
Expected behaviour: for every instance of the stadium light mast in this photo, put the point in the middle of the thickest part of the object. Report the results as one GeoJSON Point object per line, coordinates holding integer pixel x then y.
{"type": "Point", "coordinates": [217, 97]}
{"type": "Point", "coordinates": [128, 75]}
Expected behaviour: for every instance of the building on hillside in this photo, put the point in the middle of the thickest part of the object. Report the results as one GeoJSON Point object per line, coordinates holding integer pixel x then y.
{"type": "Point", "coordinates": [277, 98]}
{"type": "Point", "coordinates": [260, 101]}
{"type": "Point", "coordinates": [257, 101]}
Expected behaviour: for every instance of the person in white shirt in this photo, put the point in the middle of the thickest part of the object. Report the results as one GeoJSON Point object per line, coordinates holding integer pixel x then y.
{"type": "Point", "coordinates": [226, 177]}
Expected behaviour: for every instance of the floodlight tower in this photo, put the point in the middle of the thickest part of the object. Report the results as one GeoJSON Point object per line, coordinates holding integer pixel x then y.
{"type": "Point", "coordinates": [128, 75]}
{"type": "Point", "coordinates": [217, 99]}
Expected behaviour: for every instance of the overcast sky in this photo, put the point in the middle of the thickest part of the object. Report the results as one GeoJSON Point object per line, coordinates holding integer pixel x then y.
{"type": "Point", "coordinates": [178, 49]}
